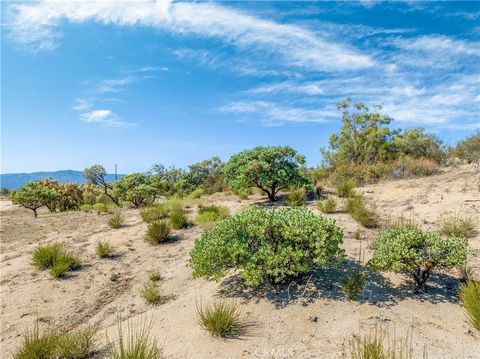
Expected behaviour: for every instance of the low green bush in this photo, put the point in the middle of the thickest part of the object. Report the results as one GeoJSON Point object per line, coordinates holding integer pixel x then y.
{"type": "Point", "coordinates": [209, 215]}
{"type": "Point", "coordinates": [178, 219]}
{"type": "Point", "coordinates": [417, 253]}
{"type": "Point", "coordinates": [196, 193]}
{"type": "Point", "coordinates": [296, 197]}
{"type": "Point", "coordinates": [327, 205]}
{"type": "Point", "coordinates": [100, 208]}
{"type": "Point", "coordinates": [103, 249]}
{"type": "Point", "coordinates": [221, 318]}
{"type": "Point", "coordinates": [157, 232]}
{"type": "Point", "coordinates": [456, 226]}
{"type": "Point", "coordinates": [86, 208]}
{"type": "Point", "coordinates": [346, 188]}
{"type": "Point", "coordinates": [116, 221]}
{"type": "Point", "coordinates": [357, 208]}
{"type": "Point", "coordinates": [52, 344]}
{"type": "Point", "coordinates": [244, 193]}
{"type": "Point", "coordinates": [470, 298]}
{"type": "Point", "coordinates": [267, 245]}
{"type": "Point", "coordinates": [353, 284]}
{"type": "Point", "coordinates": [55, 258]}
{"type": "Point", "coordinates": [153, 214]}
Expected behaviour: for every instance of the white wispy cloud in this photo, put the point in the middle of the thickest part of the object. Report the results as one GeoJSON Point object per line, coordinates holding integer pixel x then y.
{"type": "Point", "coordinates": [106, 118]}
{"type": "Point", "coordinates": [114, 85]}
{"type": "Point", "coordinates": [288, 87]}
{"type": "Point", "coordinates": [82, 104]}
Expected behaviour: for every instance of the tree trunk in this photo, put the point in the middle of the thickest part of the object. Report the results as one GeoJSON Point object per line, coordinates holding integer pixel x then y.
{"type": "Point", "coordinates": [421, 276]}
{"type": "Point", "coordinates": [35, 215]}
{"type": "Point", "coordinates": [271, 196]}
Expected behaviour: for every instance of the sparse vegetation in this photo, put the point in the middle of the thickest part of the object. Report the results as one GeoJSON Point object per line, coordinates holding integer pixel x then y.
{"type": "Point", "coordinates": [220, 318]}
{"type": "Point", "coordinates": [296, 197]}
{"type": "Point", "coordinates": [151, 293]}
{"type": "Point", "coordinates": [470, 298]}
{"type": "Point", "coordinates": [114, 277]}
{"type": "Point", "coordinates": [456, 226]}
{"type": "Point", "coordinates": [116, 221]}
{"type": "Point", "coordinates": [86, 208]}
{"type": "Point", "coordinates": [327, 205]}
{"type": "Point", "coordinates": [357, 208]}
{"type": "Point", "coordinates": [155, 276]}
{"type": "Point", "coordinates": [468, 149]}
{"type": "Point", "coordinates": [50, 343]}
{"type": "Point", "coordinates": [153, 214]}
{"type": "Point", "coordinates": [209, 215]}
{"type": "Point", "coordinates": [353, 283]}
{"type": "Point", "coordinates": [100, 208]}
{"type": "Point", "coordinates": [178, 219]}
{"type": "Point", "coordinates": [157, 232]}
{"type": "Point", "coordinates": [197, 193]}
{"type": "Point", "coordinates": [56, 258]}
{"type": "Point", "coordinates": [137, 343]}
{"type": "Point", "coordinates": [346, 188]}
{"type": "Point", "coordinates": [467, 273]}
{"type": "Point", "coordinates": [103, 249]}
{"type": "Point", "coordinates": [417, 253]}
{"type": "Point", "coordinates": [259, 242]}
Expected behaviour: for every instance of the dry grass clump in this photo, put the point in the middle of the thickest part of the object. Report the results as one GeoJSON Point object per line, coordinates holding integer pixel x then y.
{"type": "Point", "coordinates": [456, 226]}
{"type": "Point", "coordinates": [467, 273]}
{"type": "Point", "coordinates": [346, 188]}
{"type": "Point", "coordinates": [296, 197]}
{"type": "Point", "coordinates": [116, 221]}
{"type": "Point", "coordinates": [137, 343]}
{"type": "Point", "coordinates": [470, 298]}
{"type": "Point", "coordinates": [151, 293]}
{"type": "Point", "coordinates": [327, 205]}
{"type": "Point", "coordinates": [56, 258]}
{"type": "Point", "coordinates": [178, 219]}
{"type": "Point", "coordinates": [357, 208]}
{"type": "Point", "coordinates": [221, 319]}
{"type": "Point", "coordinates": [157, 232]}
{"type": "Point", "coordinates": [50, 343]}
{"type": "Point", "coordinates": [209, 215]}
{"type": "Point", "coordinates": [103, 249]}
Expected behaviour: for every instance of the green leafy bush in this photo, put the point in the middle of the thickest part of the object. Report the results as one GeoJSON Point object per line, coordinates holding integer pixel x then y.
{"type": "Point", "coordinates": [34, 195]}
{"type": "Point", "coordinates": [153, 214]}
{"type": "Point", "coordinates": [296, 197]}
{"type": "Point", "coordinates": [220, 318]}
{"type": "Point", "coordinates": [100, 208]}
{"type": "Point", "coordinates": [197, 193]}
{"type": "Point", "coordinates": [470, 298]}
{"type": "Point", "coordinates": [136, 188]}
{"type": "Point", "coordinates": [357, 208]}
{"type": "Point", "coordinates": [346, 188]}
{"type": "Point", "coordinates": [116, 221]}
{"type": "Point", "coordinates": [456, 226]}
{"type": "Point", "coordinates": [77, 344]}
{"type": "Point", "coordinates": [327, 205]}
{"type": "Point", "coordinates": [56, 258]}
{"type": "Point", "coordinates": [353, 284]}
{"type": "Point", "coordinates": [86, 208]}
{"type": "Point", "coordinates": [267, 245]}
{"type": "Point", "coordinates": [468, 149]}
{"type": "Point", "coordinates": [209, 215]}
{"type": "Point", "coordinates": [136, 344]}
{"type": "Point", "coordinates": [157, 232]}
{"type": "Point", "coordinates": [178, 219]}
{"type": "Point", "coordinates": [103, 249]}
{"type": "Point", "coordinates": [417, 253]}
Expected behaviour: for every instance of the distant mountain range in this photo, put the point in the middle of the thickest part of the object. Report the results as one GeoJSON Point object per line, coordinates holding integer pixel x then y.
{"type": "Point", "coordinates": [17, 180]}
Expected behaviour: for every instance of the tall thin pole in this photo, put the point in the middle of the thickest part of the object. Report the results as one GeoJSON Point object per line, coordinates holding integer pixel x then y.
{"type": "Point", "coordinates": [115, 173]}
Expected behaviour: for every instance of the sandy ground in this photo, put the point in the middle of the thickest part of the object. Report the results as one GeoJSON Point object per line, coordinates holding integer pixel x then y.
{"type": "Point", "coordinates": [308, 319]}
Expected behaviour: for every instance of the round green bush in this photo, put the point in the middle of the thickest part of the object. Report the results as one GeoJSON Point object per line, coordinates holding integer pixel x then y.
{"type": "Point", "coordinates": [267, 245]}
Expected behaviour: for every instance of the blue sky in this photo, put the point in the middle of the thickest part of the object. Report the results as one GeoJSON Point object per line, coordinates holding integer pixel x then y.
{"type": "Point", "coordinates": [143, 82]}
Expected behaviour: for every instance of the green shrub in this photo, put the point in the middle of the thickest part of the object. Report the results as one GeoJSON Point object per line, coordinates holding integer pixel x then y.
{"type": "Point", "coordinates": [221, 318]}
{"type": "Point", "coordinates": [244, 193]}
{"type": "Point", "coordinates": [209, 215]}
{"type": "Point", "coordinates": [151, 293]}
{"type": "Point", "coordinates": [178, 219]}
{"type": "Point", "coordinates": [353, 284]}
{"type": "Point", "coordinates": [296, 197]}
{"type": "Point", "coordinates": [77, 344]}
{"type": "Point", "coordinates": [267, 245]}
{"type": "Point", "coordinates": [136, 344]}
{"type": "Point", "coordinates": [470, 298]}
{"type": "Point", "coordinates": [100, 208]}
{"type": "Point", "coordinates": [153, 214]}
{"type": "Point", "coordinates": [346, 188]}
{"type": "Point", "coordinates": [468, 149]}
{"type": "Point", "coordinates": [103, 249]}
{"type": "Point", "coordinates": [157, 232]}
{"type": "Point", "coordinates": [456, 226]}
{"type": "Point", "coordinates": [116, 221]}
{"type": "Point", "coordinates": [327, 205]}
{"type": "Point", "coordinates": [196, 193]}
{"type": "Point", "coordinates": [414, 167]}
{"type": "Point", "coordinates": [55, 258]}
{"type": "Point", "coordinates": [86, 208]}
{"type": "Point", "coordinates": [417, 253]}
{"type": "Point", "coordinates": [357, 208]}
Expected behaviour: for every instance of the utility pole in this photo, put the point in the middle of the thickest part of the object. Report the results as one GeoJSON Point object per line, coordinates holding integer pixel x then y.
{"type": "Point", "coordinates": [115, 173]}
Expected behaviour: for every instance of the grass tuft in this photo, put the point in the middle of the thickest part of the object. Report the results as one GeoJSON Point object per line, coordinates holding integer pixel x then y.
{"type": "Point", "coordinates": [221, 318]}
{"type": "Point", "coordinates": [154, 214]}
{"type": "Point", "coordinates": [178, 219]}
{"type": "Point", "coordinates": [116, 221]}
{"type": "Point", "coordinates": [296, 197]}
{"type": "Point", "coordinates": [456, 226]}
{"type": "Point", "coordinates": [209, 215]}
{"type": "Point", "coordinates": [470, 298]}
{"type": "Point", "coordinates": [155, 276]}
{"type": "Point", "coordinates": [103, 249]}
{"type": "Point", "coordinates": [56, 258]}
{"type": "Point", "coordinates": [327, 205]}
{"type": "Point", "coordinates": [346, 188]}
{"type": "Point", "coordinates": [157, 232]}
{"type": "Point", "coordinates": [353, 284]}
{"type": "Point", "coordinates": [151, 293]}
{"type": "Point", "coordinates": [357, 208]}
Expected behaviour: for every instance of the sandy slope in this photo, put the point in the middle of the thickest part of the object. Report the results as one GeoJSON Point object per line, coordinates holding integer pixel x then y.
{"type": "Point", "coordinates": [309, 319]}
